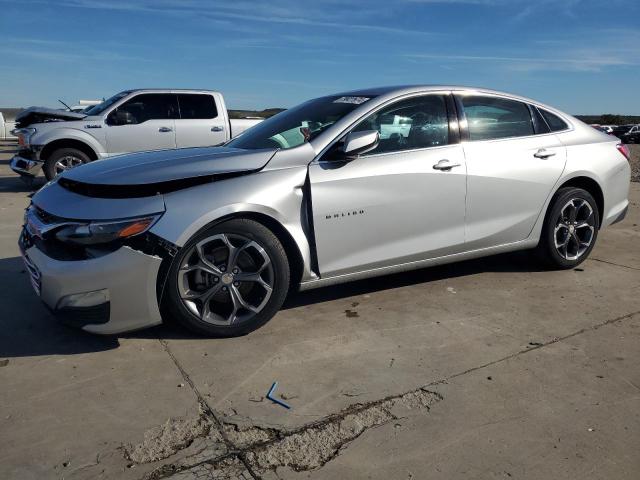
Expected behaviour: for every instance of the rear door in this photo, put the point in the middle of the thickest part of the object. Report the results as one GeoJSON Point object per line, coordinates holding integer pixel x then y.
{"type": "Point", "coordinates": [200, 123]}
{"type": "Point", "coordinates": [391, 206]}
{"type": "Point", "coordinates": [143, 122]}
{"type": "Point", "coordinates": [513, 162]}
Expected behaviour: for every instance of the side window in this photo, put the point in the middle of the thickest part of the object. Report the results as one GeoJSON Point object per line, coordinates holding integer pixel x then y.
{"type": "Point", "coordinates": [555, 123]}
{"type": "Point", "coordinates": [193, 105]}
{"type": "Point", "coordinates": [491, 118]}
{"type": "Point", "coordinates": [143, 107]}
{"type": "Point", "coordinates": [418, 122]}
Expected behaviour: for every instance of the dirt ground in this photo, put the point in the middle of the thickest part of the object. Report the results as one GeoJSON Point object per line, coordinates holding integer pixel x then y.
{"type": "Point", "coordinates": [486, 369]}
{"type": "Point", "coordinates": [635, 162]}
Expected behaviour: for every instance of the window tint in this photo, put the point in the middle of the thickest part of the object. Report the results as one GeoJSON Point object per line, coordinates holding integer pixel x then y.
{"type": "Point", "coordinates": [491, 118]}
{"type": "Point", "coordinates": [418, 122]}
{"type": "Point", "coordinates": [539, 122]}
{"type": "Point", "coordinates": [147, 106]}
{"type": "Point", "coordinates": [197, 106]}
{"type": "Point", "coordinates": [555, 123]}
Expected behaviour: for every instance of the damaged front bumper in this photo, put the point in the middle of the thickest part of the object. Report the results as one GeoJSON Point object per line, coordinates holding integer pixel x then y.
{"type": "Point", "coordinates": [26, 164]}
{"type": "Point", "coordinates": [110, 294]}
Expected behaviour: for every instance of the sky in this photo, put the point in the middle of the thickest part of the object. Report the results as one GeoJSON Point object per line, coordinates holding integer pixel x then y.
{"type": "Point", "coordinates": [582, 56]}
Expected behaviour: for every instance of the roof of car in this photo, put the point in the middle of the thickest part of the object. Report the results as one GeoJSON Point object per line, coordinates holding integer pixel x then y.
{"type": "Point", "coordinates": [377, 91]}
{"type": "Point", "coordinates": [185, 90]}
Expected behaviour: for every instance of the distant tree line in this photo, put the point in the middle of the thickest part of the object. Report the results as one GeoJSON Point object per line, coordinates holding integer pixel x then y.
{"type": "Point", "coordinates": [609, 119]}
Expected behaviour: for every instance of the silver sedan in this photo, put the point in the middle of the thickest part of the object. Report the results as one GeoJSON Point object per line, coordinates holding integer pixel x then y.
{"type": "Point", "coordinates": [342, 187]}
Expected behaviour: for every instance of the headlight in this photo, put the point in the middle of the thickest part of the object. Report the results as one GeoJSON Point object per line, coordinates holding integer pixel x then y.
{"type": "Point", "coordinates": [94, 233]}
{"type": "Point", "coordinates": [24, 136]}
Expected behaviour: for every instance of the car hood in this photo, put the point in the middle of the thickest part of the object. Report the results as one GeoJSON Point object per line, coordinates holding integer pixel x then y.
{"type": "Point", "coordinates": [161, 171]}
{"type": "Point", "coordinates": [33, 115]}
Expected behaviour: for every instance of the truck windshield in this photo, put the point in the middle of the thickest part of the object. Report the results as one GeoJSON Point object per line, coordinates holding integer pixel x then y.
{"type": "Point", "coordinates": [101, 107]}
{"type": "Point", "coordinates": [299, 124]}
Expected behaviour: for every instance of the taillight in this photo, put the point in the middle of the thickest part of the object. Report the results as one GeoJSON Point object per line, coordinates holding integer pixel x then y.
{"type": "Point", "coordinates": [624, 150]}
{"type": "Point", "coordinates": [21, 140]}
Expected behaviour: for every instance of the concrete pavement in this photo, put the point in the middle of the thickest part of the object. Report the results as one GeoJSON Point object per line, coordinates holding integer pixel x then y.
{"type": "Point", "coordinates": [490, 368]}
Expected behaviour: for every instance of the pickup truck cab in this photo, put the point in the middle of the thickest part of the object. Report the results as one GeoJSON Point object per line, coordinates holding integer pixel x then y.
{"type": "Point", "coordinates": [130, 121]}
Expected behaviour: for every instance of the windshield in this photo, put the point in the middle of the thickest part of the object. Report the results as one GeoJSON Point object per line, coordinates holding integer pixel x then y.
{"type": "Point", "coordinates": [299, 124]}
{"type": "Point", "coordinates": [101, 107]}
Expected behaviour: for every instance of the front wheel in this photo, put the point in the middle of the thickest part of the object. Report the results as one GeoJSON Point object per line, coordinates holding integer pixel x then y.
{"type": "Point", "coordinates": [63, 159]}
{"type": "Point", "coordinates": [570, 228]}
{"type": "Point", "coordinates": [228, 280]}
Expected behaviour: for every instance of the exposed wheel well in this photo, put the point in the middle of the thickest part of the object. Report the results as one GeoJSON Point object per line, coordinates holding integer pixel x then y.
{"type": "Point", "coordinates": [591, 186]}
{"type": "Point", "coordinates": [51, 147]}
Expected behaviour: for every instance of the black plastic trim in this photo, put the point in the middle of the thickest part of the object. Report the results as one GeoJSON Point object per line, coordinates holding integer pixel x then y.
{"type": "Point", "coordinates": [143, 190]}
{"type": "Point", "coordinates": [452, 114]}
{"type": "Point", "coordinates": [82, 316]}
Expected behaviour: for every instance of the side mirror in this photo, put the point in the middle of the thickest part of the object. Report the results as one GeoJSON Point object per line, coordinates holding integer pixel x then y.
{"type": "Point", "coordinates": [357, 143]}
{"type": "Point", "coordinates": [120, 117]}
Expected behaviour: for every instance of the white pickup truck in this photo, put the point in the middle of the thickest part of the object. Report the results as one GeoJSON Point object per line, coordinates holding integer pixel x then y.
{"type": "Point", "coordinates": [6, 127]}
{"type": "Point", "coordinates": [130, 121]}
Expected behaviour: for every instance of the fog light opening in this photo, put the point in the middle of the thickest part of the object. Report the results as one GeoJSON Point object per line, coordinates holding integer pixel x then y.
{"type": "Point", "coordinates": [85, 299]}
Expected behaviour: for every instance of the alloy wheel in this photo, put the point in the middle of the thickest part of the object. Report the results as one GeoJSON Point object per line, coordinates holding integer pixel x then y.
{"type": "Point", "coordinates": [226, 279]}
{"type": "Point", "coordinates": [67, 162]}
{"type": "Point", "coordinates": [574, 230]}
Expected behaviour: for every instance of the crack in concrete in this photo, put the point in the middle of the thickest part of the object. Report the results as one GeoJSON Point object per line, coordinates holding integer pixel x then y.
{"type": "Point", "coordinates": [258, 450]}
{"type": "Point", "coordinates": [536, 347]}
{"type": "Point", "coordinates": [308, 447]}
{"type": "Point", "coordinates": [167, 439]}
{"type": "Point", "coordinates": [614, 264]}
{"type": "Point", "coordinates": [204, 406]}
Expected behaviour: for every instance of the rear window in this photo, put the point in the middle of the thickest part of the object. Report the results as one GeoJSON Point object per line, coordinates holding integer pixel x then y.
{"type": "Point", "coordinates": [193, 105]}
{"type": "Point", "coordinates": [555, 123]}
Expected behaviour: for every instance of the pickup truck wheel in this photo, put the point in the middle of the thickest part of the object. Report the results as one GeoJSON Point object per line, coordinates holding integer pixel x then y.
{"type": "Point", "coordinates": [228, 280]}
{"type": "Point", "coordinates": [63, 159]}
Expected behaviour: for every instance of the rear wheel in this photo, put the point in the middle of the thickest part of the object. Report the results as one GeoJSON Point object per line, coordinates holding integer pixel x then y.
{"type": "Point", "coordinates": [570, 229]}
{"type": "Point", "coordinates": [228, 280]}
{"type": "Point", "coordinates": [63, 159]}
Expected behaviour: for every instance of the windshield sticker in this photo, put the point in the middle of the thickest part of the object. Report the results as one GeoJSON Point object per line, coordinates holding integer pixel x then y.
{"type": "Point", "coordinates": [354, 100]}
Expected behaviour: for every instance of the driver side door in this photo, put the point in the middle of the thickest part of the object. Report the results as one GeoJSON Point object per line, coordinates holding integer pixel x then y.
{"type": "Point", "coordinates": [395, 204]}
{"type": "Point", "coordinates": [144, 122]}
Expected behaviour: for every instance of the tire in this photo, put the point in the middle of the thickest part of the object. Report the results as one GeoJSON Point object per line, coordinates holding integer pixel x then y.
{"type": "Point", "coordinates": [557, 231]}
{"type": "Point", "coordinates": [203, 295]}
{"type": "Point", "coordinates": [72, 157]}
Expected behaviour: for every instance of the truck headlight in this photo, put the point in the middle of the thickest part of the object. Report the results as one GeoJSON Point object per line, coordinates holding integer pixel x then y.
{"type": "Point", "coordinates": [95, 233]}
{"type": "Point", "coordinates": [24, 136]}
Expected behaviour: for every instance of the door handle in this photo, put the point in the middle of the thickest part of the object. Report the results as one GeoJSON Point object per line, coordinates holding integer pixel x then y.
{"type": "Point", "coordinates": [445, 165]}
{"type": "Point", "coordinates": [217, 129]}
{"type": "Point", "coordinates": [543, 153]}
{"type": "Point", "coordinates": [165, 129]}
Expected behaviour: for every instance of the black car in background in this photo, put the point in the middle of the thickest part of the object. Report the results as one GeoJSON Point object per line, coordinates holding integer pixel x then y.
{"type": "Point", "coordinates": [627, 133]}
{"type": "Point", "coordinates": [632, 136]}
